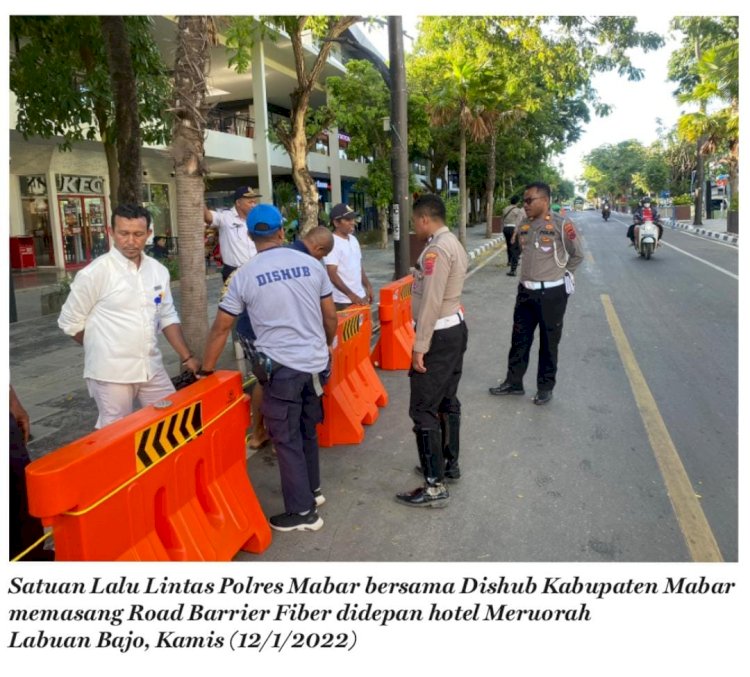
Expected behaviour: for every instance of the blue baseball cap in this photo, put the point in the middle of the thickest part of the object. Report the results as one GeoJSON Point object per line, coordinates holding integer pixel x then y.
{"type": "Point", "coordinates": [264, 220]}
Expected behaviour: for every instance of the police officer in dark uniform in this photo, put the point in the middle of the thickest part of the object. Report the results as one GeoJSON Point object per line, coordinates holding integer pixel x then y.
{"type": "Point", "coordinates": [437, 356]}
{"type": "Point", "coordinates": [551, 253]}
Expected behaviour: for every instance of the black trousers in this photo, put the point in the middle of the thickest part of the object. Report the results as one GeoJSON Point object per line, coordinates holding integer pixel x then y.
{"type": "Point", "coordinates": [513, 249]}
{"type": "Point", "coordinates": [292, 411]}
{"type": "Point", "coordinates": [434, 392]}
{"type": "Point", "coordinates": [544, 308]}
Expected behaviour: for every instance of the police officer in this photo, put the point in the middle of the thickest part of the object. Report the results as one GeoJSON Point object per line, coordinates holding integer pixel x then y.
{"type": "Point", "coordinates": [437, 356]}
{"type": "Point", "coordinates": [288, 298]}
{"type": "Point", "coordinates": [236, 247]}
{"type": "Point", "coordinates": [551, 252]}
{"type": "Point", "coordinates": [512, 216]}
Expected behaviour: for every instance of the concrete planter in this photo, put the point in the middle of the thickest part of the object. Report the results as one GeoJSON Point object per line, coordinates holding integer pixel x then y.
{"type": "Point", "coordinates": [497, 224]}
{"type": "Point", "coordinates": [733, 222]}
{"type": "Point", "coordinates": [682, 212]}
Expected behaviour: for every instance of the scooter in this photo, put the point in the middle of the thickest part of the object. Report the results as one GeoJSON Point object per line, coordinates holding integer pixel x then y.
{"type": "Point", "coordinates": [645, 238]}
{"type": "Point", "coordinates": [605, 213]}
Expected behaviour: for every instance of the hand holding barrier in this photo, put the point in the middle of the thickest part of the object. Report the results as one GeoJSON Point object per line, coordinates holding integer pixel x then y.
{"type": "Point", "coordinates": [393, 350]}
{"type": "Point", "coordinates": [168, 482]}
{"type": "Point", "coordinates": [354, 392]}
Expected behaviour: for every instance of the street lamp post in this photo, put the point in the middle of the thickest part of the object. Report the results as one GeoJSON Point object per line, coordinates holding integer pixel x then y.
{"type": "Point", "coordinates": [400, 212]}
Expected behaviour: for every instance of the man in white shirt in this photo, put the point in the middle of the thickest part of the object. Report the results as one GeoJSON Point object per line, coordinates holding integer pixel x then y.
{"type": "Point", "coordinates": [236, 247]}
{"type": "Point", "coordinates": [344, 263]}
{"type": "Point", "coordinates": [116, 308]}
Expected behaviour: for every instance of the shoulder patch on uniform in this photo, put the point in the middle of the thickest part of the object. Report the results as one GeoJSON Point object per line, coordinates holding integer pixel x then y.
{"type": "Point", "coordinates": [525, 227]}
{"type": "Point", "coordinates": [429, 262]}
{"type": "Point", "coordinates": [570, 231]}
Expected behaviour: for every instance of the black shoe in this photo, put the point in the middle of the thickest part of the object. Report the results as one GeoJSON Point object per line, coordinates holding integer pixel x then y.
{"type": "Point", "coordinates": [511, 273]}
{"type": "Point", "coordinates": [292, 521]}
{"type": "Point", "coordinates": [542, 396]}
{"type": "Point", "coordinates": [425, 497]}
{"type": "Point", "coordinates": [451, 475]}
{"type": "Point", "coordinates": [506, 388]}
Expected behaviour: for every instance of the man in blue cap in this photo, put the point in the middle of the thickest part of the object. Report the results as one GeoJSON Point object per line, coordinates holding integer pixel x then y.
{"type": "Point", "coordinates": [288, 298]}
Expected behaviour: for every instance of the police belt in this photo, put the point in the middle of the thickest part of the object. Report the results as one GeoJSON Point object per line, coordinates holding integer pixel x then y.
{"type": "Point", "coordinates": [450, 321]}
{"type": "Point", "coordinates": [543, 285]}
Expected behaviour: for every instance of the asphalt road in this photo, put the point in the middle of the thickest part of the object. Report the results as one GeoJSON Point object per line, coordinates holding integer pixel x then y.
{"type": "Point", "coordinates": [588, 478]}
{"type": "Point", "coordinates": [581, 479]}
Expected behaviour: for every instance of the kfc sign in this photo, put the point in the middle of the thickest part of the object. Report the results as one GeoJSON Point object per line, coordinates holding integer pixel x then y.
{"type": "Point", "coordinates": [86, 185]}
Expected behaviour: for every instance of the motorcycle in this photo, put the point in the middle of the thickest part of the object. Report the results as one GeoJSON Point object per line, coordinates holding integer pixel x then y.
{"type": "Point", "coordinates": [605, 213]}
{"type": "Point", "coordinates": [646, 236]}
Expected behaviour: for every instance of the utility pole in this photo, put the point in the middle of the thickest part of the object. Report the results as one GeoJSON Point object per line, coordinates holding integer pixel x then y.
{"type": "Point", "coordinates": [400, 209]}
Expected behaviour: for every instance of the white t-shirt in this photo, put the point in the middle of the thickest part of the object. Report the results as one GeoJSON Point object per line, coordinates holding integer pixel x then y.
{"type": "Point", "coordinates": [121, 308]}
{"type": "Point", "coordinates": [347, 257]}
{"type": "Point", "coordinates": [281, 289]}
{"type": "Point", "coordinates": [235, 243]}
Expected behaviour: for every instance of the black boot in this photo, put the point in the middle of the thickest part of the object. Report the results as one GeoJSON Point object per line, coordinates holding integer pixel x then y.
{"type": "Point", "coordinates": [433, 494]}
{"type": "Point", "coordinates": [450, 426]}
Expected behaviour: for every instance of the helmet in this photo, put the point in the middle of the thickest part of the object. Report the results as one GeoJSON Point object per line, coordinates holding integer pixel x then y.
{"type": "Point", "coordinates": [645, 200]}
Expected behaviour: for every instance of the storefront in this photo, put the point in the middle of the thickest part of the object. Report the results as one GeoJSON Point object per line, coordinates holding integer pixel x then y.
{"type": "Point", "coordinates": [82, 215]}
{"type": "Point", "coordinates": [36, 217]}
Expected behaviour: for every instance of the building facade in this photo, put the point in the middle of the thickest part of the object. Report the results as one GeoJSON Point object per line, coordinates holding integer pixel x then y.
{"type": "Point", "coordinates": [59, 203]}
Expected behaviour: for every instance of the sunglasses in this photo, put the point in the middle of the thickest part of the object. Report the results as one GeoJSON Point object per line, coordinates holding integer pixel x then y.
{"type": "Point", "coordinates": [529, 200]}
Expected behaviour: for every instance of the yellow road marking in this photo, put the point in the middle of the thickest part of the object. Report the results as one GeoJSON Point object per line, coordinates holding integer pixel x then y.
{"type": "Point", "coordinates": [693, 523]}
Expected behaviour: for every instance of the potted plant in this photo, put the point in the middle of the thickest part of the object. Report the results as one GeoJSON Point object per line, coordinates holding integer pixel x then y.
{"type": "Point", "coordinates": [682, 207]}
{"type": "Point", "coordinates": [733, 215]}
{"type": "Point", "coordinates": [53, 299]}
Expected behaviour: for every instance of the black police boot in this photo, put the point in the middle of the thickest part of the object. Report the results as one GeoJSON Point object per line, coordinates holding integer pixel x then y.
{"type": "Point", "coordinates": [433, 494]}
{"type": "Point", "coordinates": [450, 427]}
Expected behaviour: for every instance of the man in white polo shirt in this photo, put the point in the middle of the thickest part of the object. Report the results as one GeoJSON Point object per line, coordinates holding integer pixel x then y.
{"type": "Point", "coordinates": [236, 247]}
{"type": "Point", "coordinates": [344, 263]}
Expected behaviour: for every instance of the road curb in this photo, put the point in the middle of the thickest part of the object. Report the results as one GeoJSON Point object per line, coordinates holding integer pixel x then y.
{"type": "Point", "coordinates": [491, 244]}
{"type": "Point", "coordinates": [730, 238]}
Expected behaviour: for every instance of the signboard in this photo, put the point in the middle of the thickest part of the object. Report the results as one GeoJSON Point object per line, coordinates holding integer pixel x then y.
{"type": "Point", "coordinates": [79, 185]}
{"type": "Point", "coordinates": [34, 185]}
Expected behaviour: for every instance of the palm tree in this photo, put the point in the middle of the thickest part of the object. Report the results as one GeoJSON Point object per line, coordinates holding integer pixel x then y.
{"type": "Point", "coordinates": [195, 36]}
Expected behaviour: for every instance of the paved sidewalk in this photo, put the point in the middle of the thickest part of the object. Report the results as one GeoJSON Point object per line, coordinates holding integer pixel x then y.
{"type": "Point", "coordinates": [712, 228]}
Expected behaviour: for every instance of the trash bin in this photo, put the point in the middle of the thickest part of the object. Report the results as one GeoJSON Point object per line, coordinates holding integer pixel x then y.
{"type": "Point", "coordinates": [22, 252]}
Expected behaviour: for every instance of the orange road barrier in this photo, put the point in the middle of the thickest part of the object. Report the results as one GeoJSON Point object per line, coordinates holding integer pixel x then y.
{"type": "Point", "coordinates": [354, 392]}
{"type": "Point", "coordinates": [393, 350]}
{"type": "Point", "coordinates": [168, 482]}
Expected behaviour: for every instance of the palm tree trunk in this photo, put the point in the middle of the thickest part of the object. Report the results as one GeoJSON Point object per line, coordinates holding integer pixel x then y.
{"type": "Point", "coordinates": [490, 192]}
{"type": "Point", "coordinates": [191, 65]}
{"type": "Point", "coordinates": [462, 187]}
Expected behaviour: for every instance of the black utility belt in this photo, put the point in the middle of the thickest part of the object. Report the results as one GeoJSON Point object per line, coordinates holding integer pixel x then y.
{"type": "Point", "coordinates": [263, 367]}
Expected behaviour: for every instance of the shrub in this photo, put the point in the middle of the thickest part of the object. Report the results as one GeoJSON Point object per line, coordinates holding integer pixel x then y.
{"type": "Point", "coordinates": [173, 266]}
{"type": "Point", "coordinates": [452, 213]}
{"type": "Point", "coordinates": [684, 199]}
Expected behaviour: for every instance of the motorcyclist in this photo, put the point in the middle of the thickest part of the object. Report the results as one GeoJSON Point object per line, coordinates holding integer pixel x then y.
{"type": "Point", "coordinates": [605, 209]}
{"type": "Point", "coordinates": [645, 211]}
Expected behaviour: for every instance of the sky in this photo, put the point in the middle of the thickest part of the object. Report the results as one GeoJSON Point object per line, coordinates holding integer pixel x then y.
{"type": "Point", "coordinates": [636, 105]}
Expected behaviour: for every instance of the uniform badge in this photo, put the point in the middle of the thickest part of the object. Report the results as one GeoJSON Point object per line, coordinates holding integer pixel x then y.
{"type": "Point", "coordinates": [549, 228]}
{"type": "Point", "coordinates": [545, 239]}
{"type": "Point", "coordinates": [429, 262]}
{"type": "Point", "coordinates": [525, 227]}
{"type": "Point", "coordinates": [570, 232]}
